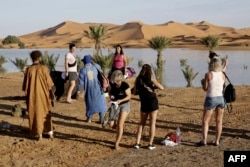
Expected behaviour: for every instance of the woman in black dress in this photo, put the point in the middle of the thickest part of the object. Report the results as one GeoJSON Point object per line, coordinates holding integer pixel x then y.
{"type": "Point", "coordinates": [145, 86]}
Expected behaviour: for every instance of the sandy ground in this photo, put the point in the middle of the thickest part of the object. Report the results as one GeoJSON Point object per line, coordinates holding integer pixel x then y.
{"type": "Point", "coordinates": [78, 143]}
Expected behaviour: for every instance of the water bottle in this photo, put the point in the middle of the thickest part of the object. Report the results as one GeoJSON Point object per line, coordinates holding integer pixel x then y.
{"type": "Point", "coordinates": [178, 135]}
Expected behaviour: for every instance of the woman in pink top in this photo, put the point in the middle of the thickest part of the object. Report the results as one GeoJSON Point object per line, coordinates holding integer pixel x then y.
{"type": "Point", "coordinates": [213, 84]}
{"type": "Point", "coordinates": [119, 60]}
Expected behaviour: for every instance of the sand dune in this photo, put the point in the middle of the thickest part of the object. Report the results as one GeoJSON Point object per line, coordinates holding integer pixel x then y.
{"type": "Point", "coordinates": [137, 34]}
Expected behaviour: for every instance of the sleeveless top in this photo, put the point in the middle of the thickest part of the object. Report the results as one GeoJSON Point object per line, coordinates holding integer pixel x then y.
{"type": "Point", "coordinates": [215, 85]}
{"type": "Point", "coordinates": [71, 62]}
{"type": "Point", "coordinates": [118, 61]}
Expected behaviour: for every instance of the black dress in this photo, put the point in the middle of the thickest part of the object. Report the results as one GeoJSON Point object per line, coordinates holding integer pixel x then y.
{"type": "Point", "coordinates": [146, 91]}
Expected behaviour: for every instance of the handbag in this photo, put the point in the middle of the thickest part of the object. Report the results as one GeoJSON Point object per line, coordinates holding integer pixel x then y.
{"type": "Point", "coordinates": [103, 80]}
{"type": "Point", "coordinates": [229, 94]}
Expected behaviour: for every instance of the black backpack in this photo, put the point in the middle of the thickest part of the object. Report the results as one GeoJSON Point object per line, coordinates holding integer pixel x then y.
{"type": "Point", "coordinates": [229, 94]}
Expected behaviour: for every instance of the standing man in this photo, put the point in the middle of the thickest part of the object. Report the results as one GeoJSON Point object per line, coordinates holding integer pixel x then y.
{"type": "Point", "coordinates": [94, 96]}
{"type": "Point", "coordinates": [37, 85]}
{"type": "Point", "coordinates": [71, 71]}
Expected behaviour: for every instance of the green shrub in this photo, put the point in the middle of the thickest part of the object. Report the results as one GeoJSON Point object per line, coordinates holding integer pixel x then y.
{"type": "Point", "coordinates": [10, 39]}
{"type": "Point", "coordinates": [21, 45]}
{"type": "Point", "coordinates": [20, 63]}
{"type": "Point", "coordinates": [49, 60]}
{"type": "Point", "coordinates": [2, 60]}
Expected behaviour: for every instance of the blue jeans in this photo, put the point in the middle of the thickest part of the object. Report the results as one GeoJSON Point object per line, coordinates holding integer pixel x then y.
{"type": "Point", "coordinates": [213, 102]}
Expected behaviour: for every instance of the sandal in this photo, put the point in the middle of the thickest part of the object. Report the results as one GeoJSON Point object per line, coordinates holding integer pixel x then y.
{"type": "Point", "coordinates": [200, 144]}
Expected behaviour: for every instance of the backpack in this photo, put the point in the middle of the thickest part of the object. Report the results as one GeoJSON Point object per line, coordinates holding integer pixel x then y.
{"type": "Point", "coordinates": [103, 80]}
{"type": "Point", "coordinates": [229, 94]}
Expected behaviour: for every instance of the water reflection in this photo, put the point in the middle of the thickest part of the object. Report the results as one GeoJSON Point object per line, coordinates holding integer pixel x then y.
{"type": "Point", "coordinates": [238, 70]}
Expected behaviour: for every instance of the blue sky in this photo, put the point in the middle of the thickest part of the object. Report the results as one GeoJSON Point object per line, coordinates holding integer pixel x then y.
{"type": "Point", "coordinates": [19, 17]}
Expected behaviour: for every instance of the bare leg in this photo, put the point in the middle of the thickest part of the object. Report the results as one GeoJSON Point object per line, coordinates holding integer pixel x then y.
{"type": "Point", "coordinates": [70, 90]}
{"type": "Point", "coordinates": [122, 117]}
{"type": "Point", "coordinates": [152, 122]}
{"type": "Point", "coordinates": [218, 119]}
{"type": "Point", "coordinates": [205, 124]}
{"type": "Point", "coordinates": [143, 120]}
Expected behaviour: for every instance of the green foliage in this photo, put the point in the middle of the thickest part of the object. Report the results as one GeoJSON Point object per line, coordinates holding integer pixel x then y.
{"type": "Point", "coordinates": [188, 72]}
{"type": "Point", "coordinates": [159, 70]}
{"type": "Point", "coordinates": [79, 62]}
{"type": "Point", "coordinates": [10, 39]}
{"type": "Point", "coordinates": [2, 60]}
{"type": "Point", "coordinates": [20, 63]}
{"type": "Point", "coordinates": [104, 61]}
{"type": "Point", "coordinates": [2, 70]}
{"type": "Point", "coordinates": [97, 34]}
{"type": "Point", "coordinates": [140, 63]}
{"type": "Point", "coordinates": [21, 45]}
{"type": "Point", "coordinates": [211, 42]}
{"type": "Point", "coordinates": [129, 59]}
{"type": "Point", "coordinates": [159, 43]}
{"type": "Point", "coordinates": [49, 60]}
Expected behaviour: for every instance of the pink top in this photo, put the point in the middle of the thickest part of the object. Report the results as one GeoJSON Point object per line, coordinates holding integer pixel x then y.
{"type": "Point", "coordinates": [118, 61]}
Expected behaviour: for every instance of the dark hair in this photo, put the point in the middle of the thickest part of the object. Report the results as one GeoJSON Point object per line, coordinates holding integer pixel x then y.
{"type": "Point", "coordinates": [35, 55]}
{"type": "Point", "coordinates": [146, 71]}
{"type": "Point", "coordinates": [71, 45]}
{"type": "Point", "coordinates": [118, 46]}
{"type": "Point", "coordinates": [212, 55]}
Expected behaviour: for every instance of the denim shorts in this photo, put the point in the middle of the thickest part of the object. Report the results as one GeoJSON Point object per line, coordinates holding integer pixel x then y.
{"type": "Point", "coordinates": [125, 107]}
{"type": "Point", "coordinates": [213, 102]}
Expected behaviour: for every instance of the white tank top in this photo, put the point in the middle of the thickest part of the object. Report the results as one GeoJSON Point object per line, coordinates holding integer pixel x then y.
{"type": "Point", "coordinates": [215, 85]}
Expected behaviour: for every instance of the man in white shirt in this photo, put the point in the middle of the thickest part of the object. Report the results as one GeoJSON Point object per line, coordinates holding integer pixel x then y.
{"type": "Point", "coordinates": [71, 71]}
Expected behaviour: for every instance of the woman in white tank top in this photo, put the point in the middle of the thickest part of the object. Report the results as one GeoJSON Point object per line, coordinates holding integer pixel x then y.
{"type": "Point", "coordinates": [213, 84]}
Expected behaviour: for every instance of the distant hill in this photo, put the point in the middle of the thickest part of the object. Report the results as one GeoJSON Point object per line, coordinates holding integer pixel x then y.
{"type": "Point", "coordinates": [136, 34]}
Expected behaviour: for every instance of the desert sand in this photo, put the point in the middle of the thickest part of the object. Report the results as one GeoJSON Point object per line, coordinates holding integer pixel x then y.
{"type": "Point", "coordinates": [78, 143]}
{"type": "Point", "coordinates": [136, 34]}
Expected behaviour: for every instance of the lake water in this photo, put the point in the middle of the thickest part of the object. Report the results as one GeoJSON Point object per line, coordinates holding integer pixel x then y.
{"type": "Point", "coordinates": [238, 67]}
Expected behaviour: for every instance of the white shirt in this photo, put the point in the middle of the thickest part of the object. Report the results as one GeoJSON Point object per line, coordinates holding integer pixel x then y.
{"type": "Point", "coordinates": [71, 59]}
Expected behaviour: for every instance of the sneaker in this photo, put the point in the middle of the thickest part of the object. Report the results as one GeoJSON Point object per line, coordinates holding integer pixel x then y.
{"type": "Point", "coordinates": [151, 147]}
{"type": "Point", "coordinates": [137, 146]}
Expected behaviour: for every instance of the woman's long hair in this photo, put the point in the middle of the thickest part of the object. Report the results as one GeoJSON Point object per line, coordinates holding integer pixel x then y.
{"type": "Point", "coordinates": [116, 52]}
{"type": "Point", "coordinates": [146, 71]}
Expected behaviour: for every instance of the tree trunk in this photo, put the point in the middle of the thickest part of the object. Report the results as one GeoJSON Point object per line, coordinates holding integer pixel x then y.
{"type": "Point", "coordinates": [160, 67]}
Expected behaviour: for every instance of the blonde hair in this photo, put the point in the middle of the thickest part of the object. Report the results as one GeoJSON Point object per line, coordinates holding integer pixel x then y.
{"type": "Point", "coordinates": [117, 75]}
{"type": "Point", "coordinates": [215, 65]}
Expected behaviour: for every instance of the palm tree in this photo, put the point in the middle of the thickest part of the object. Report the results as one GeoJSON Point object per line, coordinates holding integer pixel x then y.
{"type": "Point", "coordinates": [49, 60]}
{"type": "Point", "coordinates": [104, 61]}
{"type": "Point", "coordinates": [2, 60]}
{"type": "Point", "coordinates": [159, 43]}
{"type": "Point", "coordinates": [97, 34]}
{"type": "Point", "coordinates": [188, 72]}
{"type": "Point", "coordinates": [79, 62]}
{"type": "Point", "coordinates": [211, 42]}
{"type": "Point", "coordinates": [20, 63]}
